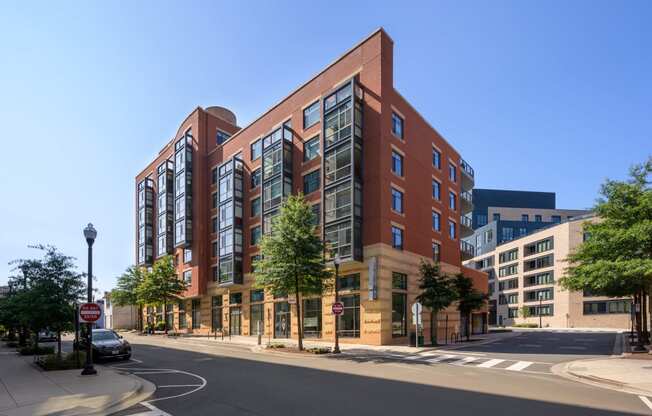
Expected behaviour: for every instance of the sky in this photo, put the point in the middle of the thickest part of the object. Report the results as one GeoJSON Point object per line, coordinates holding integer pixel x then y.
{"type": "Point", "coordinates": [544, 96]}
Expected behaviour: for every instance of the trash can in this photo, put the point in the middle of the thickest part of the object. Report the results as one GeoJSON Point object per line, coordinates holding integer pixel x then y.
{"type": "Point", "coordinates": [412, 340]}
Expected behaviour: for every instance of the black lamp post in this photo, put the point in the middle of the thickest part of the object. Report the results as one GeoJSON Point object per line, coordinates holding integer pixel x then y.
{"type": "Point", "coordinates": [540, 302]}
{"type": "Point", "coordinates": [90, 233]}
{"type": "Point", "coordinates": [336, 262]}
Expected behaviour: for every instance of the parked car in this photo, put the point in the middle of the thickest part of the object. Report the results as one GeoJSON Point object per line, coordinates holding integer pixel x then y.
{"type": "Point", "coordinates": [47, 335]}
{"type": "Point", "coordinates": [108, 344]}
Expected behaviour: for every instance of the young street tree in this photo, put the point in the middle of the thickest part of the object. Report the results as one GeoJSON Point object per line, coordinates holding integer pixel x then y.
{"type": "Point", "coordinates": [160, 285]}
{"type": "Point", "coordinates": [292, 256]}
{"type": "Point", "coordinates": [616, 258]}
{"type": "Point", "coordinates": [468, 300]}
{"type": "Point", "coordinates": [437, 293]}
{"type": "Point", "coordinates": [126, 291]}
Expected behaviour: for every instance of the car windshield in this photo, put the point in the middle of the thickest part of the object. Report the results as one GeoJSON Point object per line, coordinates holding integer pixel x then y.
{"type": "Point", "coordinates": [104, 336]}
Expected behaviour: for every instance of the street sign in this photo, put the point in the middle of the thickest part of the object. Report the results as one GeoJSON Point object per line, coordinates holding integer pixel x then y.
{"type": "Point", "coordinates": [338, 308]}
{"type": "Point", "coordinates": [89, 312]}
{"type": "Point", "coordinates": [417, 308]}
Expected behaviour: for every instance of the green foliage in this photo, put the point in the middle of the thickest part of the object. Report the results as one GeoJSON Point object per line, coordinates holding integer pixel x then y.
{"type": "Point", "coordinates": [161, 284]}
{"type": "Point", "coordinates": [292, 255]}
{"type": "Point", "coordinates": [525, 325]}
{"type": "Point", "coordinates": [69, 361]}
{"type": "Point", "coordinates": [126, 291]}
{"type": "Point", "coordinates": [437, 289]}
{"type": "Point", "coordinates": [524, 311]}
{"type": "Point", "coordinates": [468, 299]}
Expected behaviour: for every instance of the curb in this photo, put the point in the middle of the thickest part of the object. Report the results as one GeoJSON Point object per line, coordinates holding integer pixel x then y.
{"type": "Point", "coordinates": [141, 393]}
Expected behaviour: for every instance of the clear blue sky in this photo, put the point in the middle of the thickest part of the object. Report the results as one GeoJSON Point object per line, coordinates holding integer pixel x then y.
{"type": "Point", "coordinates": [550, 96]}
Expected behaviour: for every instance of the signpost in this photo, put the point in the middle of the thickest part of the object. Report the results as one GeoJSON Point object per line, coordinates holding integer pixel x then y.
{"type": "Point", "coordinates": [89, 312]}
{"type": "Point", "coordinates": [417, 308]}
{"type": "Point", "coordinates": [338, 308]}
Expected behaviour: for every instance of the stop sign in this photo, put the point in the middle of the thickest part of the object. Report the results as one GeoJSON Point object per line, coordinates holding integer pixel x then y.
{"type": "Point", "coordinates": [89, 312]}
{"type": "Point", "coordinates": [338, 308]}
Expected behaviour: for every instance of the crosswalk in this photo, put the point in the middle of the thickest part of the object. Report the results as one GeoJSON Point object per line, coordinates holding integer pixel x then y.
{"type": "Point", "coordinates": [476, 361]}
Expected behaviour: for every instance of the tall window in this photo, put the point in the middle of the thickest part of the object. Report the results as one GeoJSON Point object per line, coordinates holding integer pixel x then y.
{"type": "Point", "coordinates": [436, 221]}
{"type": "Point", "coordinates": [182, 315]}
{"type": "Point", "coordinates": [316, 212]}
{"type": "Point", "coordinates": [187, 255]}
{"type": "Point", "coordinates": [349, 320]}
{"type": "Point", "coordinates": [214, 176]}
{"type": "Point", "coordinates": [397, 200]}
{"type": "Point", "coordinates": [222, 137]}
{"type": "Point", "coordinates": [525, 217]}
{"type": "Point", "coordinates": [496, 216]}
{"type": "Point", "coordinates": [397, 163]}
{"type": "Point", "coordinates": [255, 207]}
{"type": "Point", "coordinates": [508, 233]}
{"type": "Point", "coordinates": [311, 182]}
{"type": "Point", "coordinates": [311, 115]}
{"type": "Point", "coordinates": [436, 158]}
{"type": "Point", "coordinates": [196, 317]}
{"type": "Point", "coordinates": [537, 218]}
{"type": "Point", "coordinates": [256, 178]}
{"type": "Point", "coordinates": [399, 304]}
{"type": "Point", "coordinates": [436, 190]}
{"type": "Point", "coordinates": [452, 232]}
{"type": "Point", "coordinates": [481, 219]}
{"type": "Point", "coordinates": [216, 313]}
{"type": "Point", "coordinates": [451, 200]}
{"type": "Point", "coordinates": [452, 172]}
{"type": "Point", "coordinates": [436, 252]}
{"type": "Point", "coordinates": [397, 238]}
{"type": "Point", "coordinates": [257, 311]}
{"type": "Point", "coordinates": [187, 277]}
{"type": "Point", "coordinates": [312, 318]}
{"type": "Point", "coordinates": [397, 126]}
{"type": "Point", "coordinates": [311, 149]}
{"type": "Point", "coordinates": [256, 149]}
{"type": "Point", "coordinates": [255, 235]}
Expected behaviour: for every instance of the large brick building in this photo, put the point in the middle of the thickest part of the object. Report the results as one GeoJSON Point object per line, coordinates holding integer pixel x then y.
{"type": "Point", "coordinates": [387, 189]}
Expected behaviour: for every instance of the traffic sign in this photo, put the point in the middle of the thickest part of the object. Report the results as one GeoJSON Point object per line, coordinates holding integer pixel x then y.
{"type": "Point", "coordinates": [417, 308]}
{"type": "Point", "coordinates": [89, 312]}
{"type": "Point", "coordinates": [338, 308]}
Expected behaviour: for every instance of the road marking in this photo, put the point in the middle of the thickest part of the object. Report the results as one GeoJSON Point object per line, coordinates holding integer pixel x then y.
{"type": "Point", "coordinates": [203, 359]}
{"type": "Point", "coordinates": [490, 363]}
{"type": "Point", "coordinates": [519, 366]}
{"type": "Point", "coordinates": [155, 411]}
{"type": "Point", "coordinates": [467, 360]}
{"type": "Point", "coordinates": [647, 401]}
{"type": "Point", "coordinates": [181, 385]}
{"type": "Point", "coordinates": [441, 358]}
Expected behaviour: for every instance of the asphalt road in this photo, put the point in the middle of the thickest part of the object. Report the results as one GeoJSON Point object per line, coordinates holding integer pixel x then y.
{"type": "Point", "coordinates": [195, 377]}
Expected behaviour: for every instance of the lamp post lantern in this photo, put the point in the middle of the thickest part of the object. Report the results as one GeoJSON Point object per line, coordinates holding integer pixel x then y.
{"type": "Point", "coordinates": [336, 262]}
{"type": "Point", "coordinates": [89, 233]}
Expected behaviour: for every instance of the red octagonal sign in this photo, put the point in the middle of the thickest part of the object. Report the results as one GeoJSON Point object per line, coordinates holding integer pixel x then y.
{"type": "Point", "coordinates": [89, 312]}
{"type": "Point", "coordinates": [338, 308]}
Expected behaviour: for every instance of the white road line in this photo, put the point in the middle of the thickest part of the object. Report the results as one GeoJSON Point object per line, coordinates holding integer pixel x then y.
{"type": "Point", "coordinates": [466, 360]}
{"type": "Point", "coordinates": [155, 411]}
{"type": "Point", "coordinates": [647, 401]}
{"type": "Point", "coordinates": [490, 363]}
{"type": "Point", "coordinates": [441, 358]}
{"type": "Point", "coordinates": [181, 385]}
{"type": "Point", "coordinates": [519, 366]}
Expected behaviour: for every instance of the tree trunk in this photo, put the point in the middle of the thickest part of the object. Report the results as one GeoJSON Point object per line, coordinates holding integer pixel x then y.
{"type": "Point", "coordinates": [639, 326]}
{"type": "Point", "coordinates": [296, 297]}
{"type": "Point", "coordinates": [140, 317]}
{"type": "Point", "coordinates": [59, 345]}
{"type": "Point", "coordinates": [646, 334]}
{"type": "Point", "coordinates": [468, 327]}
{"type": "Point", "coordinates": [435, 327]}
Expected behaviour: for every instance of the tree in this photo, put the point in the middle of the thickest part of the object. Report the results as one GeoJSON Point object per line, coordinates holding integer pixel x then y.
{"type": "Point", "coordinates": [616, 257]}
{"type": "Point", "coordinates": [126, 291]}
{"type": "Point", "coordinates": [468, 299]}
{"type": "Point", "coordinates": [525, 312]}
{"type": "Point", "coordinates": [437, 293]}
{"type": "Point", "coordinates": [160, 285]}
{"type": "Point", "coordinates": [292, 256]}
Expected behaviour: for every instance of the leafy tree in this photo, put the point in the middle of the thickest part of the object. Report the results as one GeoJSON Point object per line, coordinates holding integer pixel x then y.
{"type": "Point", "coordinates": [616, 258]}
{"type": "Point", "coordinates": [437, 293]}
{"type": "Point", "coordinates": [525, 312]}
{"type": "Point", "coordinates": [468, 299]}
{"type": "Point", "coordinates": [160, 285]}
{"type": "Point", "coordinates": [126, 291]}
{"type": "Point", "coordinates": [292, 256]}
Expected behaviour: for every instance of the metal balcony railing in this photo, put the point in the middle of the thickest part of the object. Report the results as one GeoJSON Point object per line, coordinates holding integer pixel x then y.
{"type": "Point", "coordinates": [467, 197]}
{"type": "Point", "coordinates": [466, 221]}
{"type": "Point", "coordinates": [467, 248]}
{"type": "Point", "coordinates": [467, 168]}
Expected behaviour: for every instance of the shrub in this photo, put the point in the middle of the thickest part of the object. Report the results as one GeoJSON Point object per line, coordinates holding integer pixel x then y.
{"type": "Point", "coordinates": [160, 326]}
{"type": "Point", "coordinates": [319, 350]}
{"type": "Point", "coordinates": [526, 325]}
{"type": "Point", "coordinates": [275, 346]}
{"type": "Point", "coordinates": [67, 362]}
{"type": "Point", "coordinates": [31, 350]}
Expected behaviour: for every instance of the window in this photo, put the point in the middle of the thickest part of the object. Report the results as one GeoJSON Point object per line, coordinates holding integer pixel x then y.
{"type": "Point", "coordinates": [311, 182]}
{"type": "Point", "coordinates": [436, 158]}
{"type": "Point", "coordinates": [235, 320]}
{"type": "Point", "coordinates": [311, 149]}
{"type": "Point", "coordinates": [254, 259]}
{"type": "Point", "coordinates": [512, 298]}
{"type": "Point", "coordinates": [397, 126]}
{"type": "Point", "coordinates": [525, 218]}
{"type": "Point", "coordinates": [187, 277]}
{"type": "Point", "coordinates": [399, 314]}
{"type": "Point", "coordinates": [508, 284]}
{"type": "Point", "coordinates": [452, 172]}
{"type": "Point", "coordinates": [214, 176]}
{"type": "Point", "coordinates": [451, 229]}
{"type": "Point", "coordinates": [255, 235]}
{"type": "Point", "coordinates": [196, 314]}
{"type": "Point", "coordinates": [544, 310]}
{"type": "Point", "coordinates": [350, 282]}
{"type": "Point", "coordinates": [436, 252]}
{"type": "Point", "coordinates": [316, 212]}
{"type": "Point", "coordinates": [522, 231]}
{"type": "Point", "coordinates": [538, 263]}
{"type": "Point", "coordinates": [187, 255]}
{"type": "Point", "coordinates": [397, 200]}
{"type": "Point", "coordinates": [451, 200]}
{"type": "Point", "coordinates": [491, 288]}
{"type": "Point", "coordinates": [508, 270]}
{"type": "Point", "coordinates": [506, 256]}
{"type": "Point", "coordinates": [257, 313]}
{"type": "Point", "coordinates": [397, 163]}
{"type": "Point", "coordinates": [337, 124]}
{"type": "Point", "coordinates": [555, 218]}
{"type": "Point", "coordinates": [214, 273]}
{"type": "Point", "coordinates": [235, 298]}
{"type": "Point", "coordinates": [337, 202]}
{"type": "Point", "coordinates": [311, 115]}
{"type": "Point", "coordinates": [607, 307]}
{"type": "Point", "coordinates": [538, 247]}
{"type": "Point", "coordinates": [512, 312]}
{"type": "Point", "coordinates": [256, 149]}
{"type": "Point", "coordinates": [481, 219]}
{"type": "Point", "coordinates": [397, 238]}
{"type": "Point", "coordinates": [399, 281]}
{"type": "Point", "coordinates": [508, 233]}
{"type": "Point", "coordinates": [216, 313]}
{"type": "Point", "coordinates": [496, 216]}
{"type": "Point", "coordinates": [182, 315]}
{"type": "Point", "coordinates": [214, 249]}
{"type": "Point", "coordinates": [337, 163]}
{"type": "Point", "coordinates": [539, 279]}
{"type": "Point", "coordinates": [255, 207]}
{"type": "Point", "coordinates": [537, 218]}
{"type": "Point", "coordinates": [214, 225]}
{"type": "Point", "coordinates": [436, 190]}
{"type": "Point", "coordinates": [484, 263]}
{"type": "Point", "coordinates": [214, 200]}
{"type": "Point", "coordinates": [436, 221]}
{"type": "Point", "coordinates": [312, 318]}
{"type": "Point", "coordinates": [535, 295]}
{"type": "Point", "coordinates": [349, 320]}
{"type": "Point", "coordinates": [222, 137]}
{"type": "Point", "coordinates": [256, 178]}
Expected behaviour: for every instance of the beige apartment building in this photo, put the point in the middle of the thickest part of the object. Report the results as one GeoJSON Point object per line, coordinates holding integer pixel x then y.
{"type": "Point", "coordinates": [535, 214]}
{"type": "Point", "coordinates": [524, 282]}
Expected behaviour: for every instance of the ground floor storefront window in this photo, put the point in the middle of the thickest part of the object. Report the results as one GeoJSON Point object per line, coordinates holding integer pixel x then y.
{"type": "Point", "coordinates": [216, 313]}
{"type": "Point", "coordinates": [282, 320]}
{"type": "Point", "coordinates": [312, 318]}
{"type": "Point", "coordinates": [235, 320]}
{"type": "Point", "coordinates": [349, 320]}
{"type": "Point", "coordinates": [257, 321]}
{"type": "Point", "coordinates": [169, 316]}
{"type": "Point", "coordinates": [399, 314]}
{"type": "Point", "coordinates": [196, 313]}
{"type": "Point", "coordinates": [182, 315]}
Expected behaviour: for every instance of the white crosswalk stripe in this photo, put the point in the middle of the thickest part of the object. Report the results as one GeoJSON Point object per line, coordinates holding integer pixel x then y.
{"type": "Point", "coordinates": [519, 366]}
{"type": "Point", "coordinates": [490, 363]}
{"type": "Point", "coordinates": [466, 360]}
{"type": "Point", "coordinates": [441, 358]}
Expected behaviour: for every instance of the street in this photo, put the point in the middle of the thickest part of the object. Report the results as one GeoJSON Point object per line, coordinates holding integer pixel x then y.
{"type": "Point", "coordinates": [200, 377]}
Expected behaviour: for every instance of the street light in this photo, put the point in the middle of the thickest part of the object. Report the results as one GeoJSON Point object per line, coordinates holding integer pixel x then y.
{"type": "Point", "coordinates": [90, 233]}
{"type": "Point", "coordinates": [336, 262]}
{"type": "Point", "coordinates": [540, 301]}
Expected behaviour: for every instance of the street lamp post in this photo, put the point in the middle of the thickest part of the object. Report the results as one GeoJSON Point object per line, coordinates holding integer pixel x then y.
{"type": "Point", "coordinates": [336, 262]}
{"type": "Point", "coordinates": [540, 302]}
{"type": "Point", "coordinates": [90, 233]}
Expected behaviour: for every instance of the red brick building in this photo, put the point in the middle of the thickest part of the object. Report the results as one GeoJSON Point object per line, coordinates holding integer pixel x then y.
{"type": "Point", "coordinates": [386, 188]}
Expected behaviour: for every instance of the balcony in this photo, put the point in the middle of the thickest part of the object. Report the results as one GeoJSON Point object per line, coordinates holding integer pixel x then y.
{"type": "Point", "coordinates": [466, 226]}
{"type": "Point", "coordinates": [467, 250]}
{"type": "Point", "coordinates": [468, 175]}
{"type": "Point", "coordinates": [466, 202]}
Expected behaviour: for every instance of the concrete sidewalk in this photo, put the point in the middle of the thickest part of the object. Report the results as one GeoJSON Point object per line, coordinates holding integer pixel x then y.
{"type": "Point", "coordinates": [631, 375]}
{"type": "Point", "coordinates": [26, 390]}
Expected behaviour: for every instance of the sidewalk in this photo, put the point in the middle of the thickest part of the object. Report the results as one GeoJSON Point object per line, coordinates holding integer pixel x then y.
{"type": "Point", "coordinates": [631, 375]}
{"type": "Point", "coordinates": [26, 390]}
